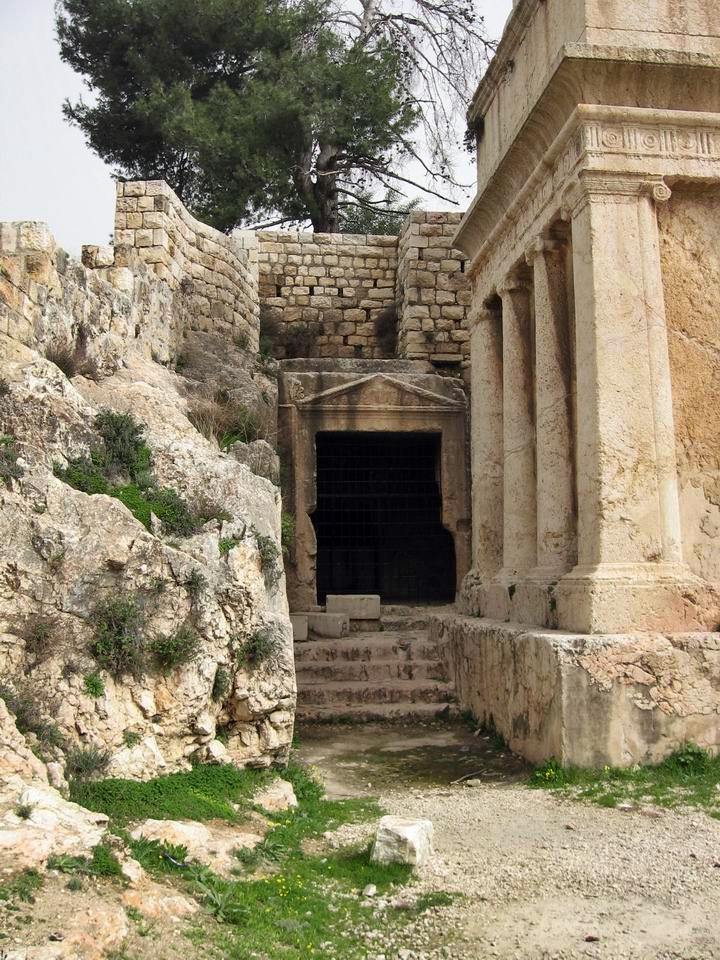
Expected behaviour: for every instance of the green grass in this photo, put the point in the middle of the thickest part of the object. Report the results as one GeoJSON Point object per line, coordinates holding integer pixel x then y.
{"type": "Point", "coordinates": [689, 777]}
{"type": "Point", "coordinates": [227, 544]}
{"type": "Point", "coordinates": [103, 863]}
{"type": "Point", "coordinates": [10, 469]}
{"type": "Point", "coordinates": [203, 793]}
{"type": "Point", "coordinates": [94, 685]}
{"type": "Point", "coordinates": [23, 887]}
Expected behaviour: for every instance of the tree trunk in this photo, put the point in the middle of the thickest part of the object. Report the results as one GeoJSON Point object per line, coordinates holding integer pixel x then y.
{"type": "Point", "coordinates": [321, 193]}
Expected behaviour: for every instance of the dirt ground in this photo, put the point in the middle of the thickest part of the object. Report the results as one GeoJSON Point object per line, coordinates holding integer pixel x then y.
{"type": "Point", "coordinates": [540, 877]}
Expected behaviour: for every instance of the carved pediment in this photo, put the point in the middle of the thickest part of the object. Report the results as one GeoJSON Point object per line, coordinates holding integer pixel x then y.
{"type": "Point", "coordinates": [379, 391]}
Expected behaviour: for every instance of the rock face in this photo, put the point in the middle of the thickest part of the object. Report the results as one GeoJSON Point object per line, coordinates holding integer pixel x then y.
{"type": "Point", "coordinates": [399, 840]}
{"type": "Point", "coordinates": [66, 554]}
{"type": "Point", "coordinates": [276, 798]}
{"type": "Point", "coordinates": [212, 845]}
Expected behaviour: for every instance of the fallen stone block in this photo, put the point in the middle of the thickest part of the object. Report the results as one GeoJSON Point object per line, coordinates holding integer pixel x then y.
{"type": "Point", "coordinates": [356, 606]}
{"type": "Point", "coordinates": [399, 840]}
{"type": "Point", "coordinates": [276, 797]}
{"type": "Point", "coordinates": [331, 625]}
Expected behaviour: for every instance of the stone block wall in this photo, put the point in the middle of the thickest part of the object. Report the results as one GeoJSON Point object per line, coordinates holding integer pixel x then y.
{"type": "Point", "coordinates": [218, 272]}
{"type": "Point", "coordinates": [433, 292]}
{"type": "Point", "coordinates": [332, 286]}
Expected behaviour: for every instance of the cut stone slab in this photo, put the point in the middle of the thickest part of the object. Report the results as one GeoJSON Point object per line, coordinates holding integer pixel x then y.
{"type": "Point", "coordinates": [332, 625]}
{"type": "Point", "coordinates": [356, 606]}
{"type": "Point", "coordinates": [276, 797]}
{"type": "Point", "coordinates": [299, 623]}
{"type": "Point", "coordinates": [399, 840]}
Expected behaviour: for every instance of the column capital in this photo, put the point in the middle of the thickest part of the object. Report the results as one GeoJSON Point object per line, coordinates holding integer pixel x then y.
{"type": "Point", "coordinates": [599, 185]}
{"type": "Point", "coordinates": [478, 315]}
{"type": "Point", "coordinates": [541, 245]}
{"type": "Point", "coordinates": [514, 282]}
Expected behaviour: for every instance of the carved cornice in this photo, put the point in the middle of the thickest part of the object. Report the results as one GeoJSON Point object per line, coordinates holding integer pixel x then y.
{"type": "Point", "coordinates": [625, 148]}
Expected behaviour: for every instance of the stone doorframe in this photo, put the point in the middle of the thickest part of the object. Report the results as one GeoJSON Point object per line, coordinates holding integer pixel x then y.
{"type": "Point", "coordinates": [312, 403]}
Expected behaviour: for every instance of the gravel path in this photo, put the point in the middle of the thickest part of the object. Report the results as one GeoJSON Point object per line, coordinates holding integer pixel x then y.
{"type": "Point", "coordinates": [541, 877]}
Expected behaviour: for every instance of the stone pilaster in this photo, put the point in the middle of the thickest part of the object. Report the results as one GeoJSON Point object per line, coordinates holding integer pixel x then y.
{"type": "Point", "coordinates": [556, 506]}
{"type": "Point", "coordinates": [519, 487]}
{"type": "Point", "coordinates": [629, 572]}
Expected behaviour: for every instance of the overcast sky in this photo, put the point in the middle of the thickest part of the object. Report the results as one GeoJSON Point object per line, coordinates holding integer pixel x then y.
{"type": "Point", "coordinates": [46, 170]}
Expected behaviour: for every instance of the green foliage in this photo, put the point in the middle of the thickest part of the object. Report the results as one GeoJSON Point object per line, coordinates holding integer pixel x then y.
{"type": "Point", "coordinates": [287, 537]}
{"type": "Point", "coordinates": [175, 649]}
{"type": "Point", "coordinates": [259, 648]}
{"type": "Point", "coordinates": [227, 544]}
{"type": "Point", "coordinates": [10, 469]}
{"type": "Point", "coordinates": [119, 643]}
{"type": "Point", "coordinates": [207, 792]}
{"type": "Point", "coordinates": [688, 777]}
{"type": "Point", "coordinates": [121, 469]}
{"type": "Point", "coordinates": [269, 558]}
{"type": "Point", "coordinates": [379, 217]}
{"type": "Point", "coordinates": [221, 684]}
{"type": "Point", "coordinates": [24, 810]}
{"type": "Point", "coordinates": [23, 887]}
{"type": "Point", "coordinates": [295, 110]}
{"type": "Point", "coordinates": [82, 763]}
{"type": "Point", "coordinates": [195, 583]}
{"type": "Point", "coordinates": [103, 863]}
{"type": "Point", "coordinates": [94, 685]}
{"type": "Point", "coordinates": [23, 703]}
{"type": "Point", "coordinates": [74, 884]}
{"type": "Point", "coordinates": [131, 738]}
{"type": "Point", "coordinates": [156, 856]}
{"type": "Point", "coordinates": [125, 450]}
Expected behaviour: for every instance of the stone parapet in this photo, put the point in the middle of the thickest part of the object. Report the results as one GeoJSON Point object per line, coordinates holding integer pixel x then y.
{"type": "Point", "coordinates": [218, 272]}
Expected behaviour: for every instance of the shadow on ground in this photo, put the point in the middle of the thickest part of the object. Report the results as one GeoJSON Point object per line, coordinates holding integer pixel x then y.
{"type": "Point", "coordinates": [368, 758]}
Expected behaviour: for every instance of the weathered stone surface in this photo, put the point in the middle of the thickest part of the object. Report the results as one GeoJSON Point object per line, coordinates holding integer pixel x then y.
{"type": "Point", "coordinates": [53, 826]}
{"type": "Point", "coordinates": [210, 844]}
{"type": "Point", "coordinates": [91, 934]}
{"type": "Point", "coordinates": [329, 624]}
{"type": "Point", "coordinates": [357, 607]}
{"type": "Point", "coordinates": [403, 841]}
{"type": "Point", "coordinates": [157, 902]}
{"type": "Point", "coordinates": [276, 797]}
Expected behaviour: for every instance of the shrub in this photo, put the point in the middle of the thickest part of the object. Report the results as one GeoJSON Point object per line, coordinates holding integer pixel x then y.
{"type": "Point", "coordinates": [287, 537]}
{"type": "Point", "coordinates": [124, 444]}
{"type": "Point", "coordinates": [119, 644]}
{"type": "Point", "coordinates": [28, 717]}
{"type": "Point", "coordinates": [131, 738]}
{"type": "Point", "coordinates": [37, 634]}
{"type": "Point", "coordinates": [176, 649]}
{"type": "Point", "coordinates": [24, 810]}
{"type": "Point", "coordinates": [269, 558]}
{"type": "Point", "coordinates": [207, 509]}
{"type": "Point", "coordinates": [195, 583]}
{"type": "Point", "coordinates": [225, 421]}
{"type": "Point", "coordinates": [10, 469]}
{"type": "Point", "coordinates": [94, 685]}
{"type": "Point", "coordinates": [84, 474]}
{"type": "Point", "coordinates": [167, 505]}
{"type": "Point", "coordinates": [227, 544]}
{"type": "Point", "coordinates": [260, 647]}
{"type": "Point", "coordinates": [83, 763]}
{"type": "Point", "coordinates": [221, 684]}
{"type": "Point", "coordinates": [4, 387]}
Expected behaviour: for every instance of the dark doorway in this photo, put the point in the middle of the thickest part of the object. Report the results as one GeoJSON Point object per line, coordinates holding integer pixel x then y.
{"type": "Point", "coordinates": [378, 520]}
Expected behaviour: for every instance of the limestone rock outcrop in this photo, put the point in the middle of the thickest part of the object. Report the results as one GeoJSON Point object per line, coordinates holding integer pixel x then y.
{"type": "Point", "coordinates": [75, 341]}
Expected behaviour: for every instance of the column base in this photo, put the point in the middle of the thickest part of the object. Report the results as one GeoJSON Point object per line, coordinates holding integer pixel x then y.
{"type": "Point", "coordinates": [621, 598]}
{"type": "Point", "coordinates": [509, 596]}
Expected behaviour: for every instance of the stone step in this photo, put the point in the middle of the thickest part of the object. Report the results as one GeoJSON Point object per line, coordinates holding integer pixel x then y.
{"type": "Point", "coordinates": [371, 670]}
{"type": "Point", "coordinates": [348, 693]}
{"type": "Point", "coordinates": [380, 712]}
{"type": "Point", "coordinates": [381, 646]}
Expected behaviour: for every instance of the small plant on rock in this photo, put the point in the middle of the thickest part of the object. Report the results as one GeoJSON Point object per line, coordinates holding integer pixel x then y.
{"type": "Point", "coordinates": [119, 644]}
{"type": "Point", "coordinates": [131, 738]}
{"type": "Point", "coordinates": [10, 469]}
{"type": "Point", "coordinates": [23, 703]}
{"type": "Point", "coordinates": [125, 449]}
{"type": "Point", "coordinates": [176, 649]}
{"type": "Point", "coordinates": [38, 632]}
{"type": "Point", "coordinates": [227, 544]}
{"type": "Point", "coordinates": [221, 684]}
{"type": "Point", "coordinates": [24, 811]}
{"type": "Point", "coordinates": [4, 388]}
{"type": "Point", "coordinates": [94, 685]}
{"type": "Point", "coordinates": [269, 558]}
{"type": "Point", "coordinates": [259, 647]}
{"type": "Point", "coordinates": [195, 583]}
{"type": "Point", "coordinates": [83, 763]}
{"type": "Point", "coordinates": [287, 537]}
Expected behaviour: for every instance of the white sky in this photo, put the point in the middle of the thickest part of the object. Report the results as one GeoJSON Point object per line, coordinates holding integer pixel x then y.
{"type": "Point", "coordinates": [46, 170]}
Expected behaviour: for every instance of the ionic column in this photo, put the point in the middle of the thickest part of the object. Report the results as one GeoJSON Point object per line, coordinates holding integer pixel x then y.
{"type": "Point", "coordinates": [519, 495]}
{"type": "Point", "coordinates": [556, 508]}
{"type": "Point", "coordinates": [487, 441]}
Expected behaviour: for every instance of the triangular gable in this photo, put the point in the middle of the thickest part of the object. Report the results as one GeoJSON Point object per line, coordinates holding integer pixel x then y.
{"type": "Point", "coordinates": [381, 390]}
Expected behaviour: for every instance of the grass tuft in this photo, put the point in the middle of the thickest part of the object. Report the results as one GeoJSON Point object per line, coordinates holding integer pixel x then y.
{"type": "Point", "coordinates": [175, 649]}
{"type": "Point", "coordinates": [83, 763]}
{"type": "Point", "coordinates": [94, 685]}
{"type": "Point", "coordinates": [10, 469]}
{"type": "Point", "coordinates": [688, 777]}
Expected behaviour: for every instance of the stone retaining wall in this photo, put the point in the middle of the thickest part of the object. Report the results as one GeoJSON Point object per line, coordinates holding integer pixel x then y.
{"type": "Point", "coordinates": [219, 273]}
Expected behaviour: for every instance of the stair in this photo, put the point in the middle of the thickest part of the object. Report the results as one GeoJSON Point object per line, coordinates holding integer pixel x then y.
{"type": "Point", "coordinates": [384, 670]}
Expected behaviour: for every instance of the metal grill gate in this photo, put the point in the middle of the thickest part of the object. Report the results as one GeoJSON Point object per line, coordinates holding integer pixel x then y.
{"type": "Point", "coordinates": [378, 517]}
